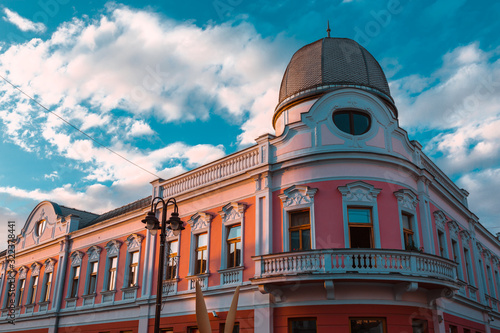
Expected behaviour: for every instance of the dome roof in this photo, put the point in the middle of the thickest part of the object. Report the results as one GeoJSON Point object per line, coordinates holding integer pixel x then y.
{"type": "Point", "coordinates": [327, 64]}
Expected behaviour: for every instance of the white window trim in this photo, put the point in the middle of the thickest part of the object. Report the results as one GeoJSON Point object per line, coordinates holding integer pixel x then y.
{"type": "Point", "coordinates": [113, 250]}
{"type": "Point", "coordinates": [298, 197]}
{"type": "Point", "coordinates": [170, 237]}
{"type": "Point", "coordinates": [407, 203]}
{"type": "Point", "coordinates": [93, 253]}
{"type": "Point", "coordinates": [200, 223]}
{"type": "Point", "coordinates": [440, 220]}
{"type": "Point", "coordinates": [466, 237]}
{"type": "Point", "coordinates": [134, 242]}
{"type": "Point", "coordinates": [360, 194]}
{"type": "Point", "coordinates": [49, 268]}
{"type": "Point", "coordinates": [76, 260]}
{"type": "Point", "coordinates": [454, 229]}
{"type": "Point", "coordinates": [35, 272]}
{"type": "Point", "coordinates": [233, 213]}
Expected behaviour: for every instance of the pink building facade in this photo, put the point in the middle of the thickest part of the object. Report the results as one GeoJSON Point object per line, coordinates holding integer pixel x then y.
{"type": "Point", "coordinates": [337, 223]}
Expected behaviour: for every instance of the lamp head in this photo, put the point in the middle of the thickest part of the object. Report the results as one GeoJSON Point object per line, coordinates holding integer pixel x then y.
{"type": "Point", "coordinates": [152, 223]}
{"type": "Point", "coordinates": [175, 223]}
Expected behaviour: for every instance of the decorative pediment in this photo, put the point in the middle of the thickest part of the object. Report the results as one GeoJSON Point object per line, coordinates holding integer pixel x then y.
{"type": "Point", "coordinates": [480, 247]}
{"type": "Point", "coordinates": [94, 252]}
{"type": "Point", "coordinates": [200, 221]}
{"type": "Point", "coordinates": [407, 199]}
{"type": "Point", "coordinates": [298, 195]}
{"type": "Point", "coordinates": [439, 218]}
{"type": "Point", "coordinates": [35, 269]}
{"type": "Point", "coordinates": [232, 212]}
{"type": "Point", "coordinates": [49, 265]}
{"type": "Point", "coordinates": [487, 254]}
{"type": "Point", "coordinates": [113, 247]}
{"type": "Point", "coordinates": [359, 192]}
{"type": "Point", "coordinates": [22, 272]}
{"type": "Point", "coordinates": [134, 242]}
{"type": "Point", "coordinates": [496, 260]}
{"type": "Point", "coordinates": [453, 227]}
{"type": "Point", "coordinates": [465, 235]}
{"type": "Point", "coordinates": [76, 258]}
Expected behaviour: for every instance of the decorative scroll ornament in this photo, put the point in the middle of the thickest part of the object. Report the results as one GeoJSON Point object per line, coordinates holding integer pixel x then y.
{"type": "Point", "coordinates": [453, 227]}
{"type": "Point", "coordinates": [35, 269]}
{"type": "Point", "coordinates": [359, 192]}
{"type": "Point", "coordinates": [487, 254]}
{"type": "Point", "coordinates": [466, 236]}
{"type": "Point", "coordinates": [407, 199]}
{"type": "Point", "coordinates": [439, 218]}
{"type": "Point", "coordinates": [22, 272]}
{"type": "Point", "coordinates": [298, 195]}
{"type": "Point", "coordinates": [200, 221]}
{"type": "Point", "coordinates": [134, 242]}
{"type": "Point", "coordinates": [113, 247]}
{"type": "Point", "coordinates": [49, 265]}
{"type": "Point", "coordinates": [94, 252]}
{"type": "Point", "coordinates": [76, 258]}
{"type": "Point", "coordinates": [232, 212]}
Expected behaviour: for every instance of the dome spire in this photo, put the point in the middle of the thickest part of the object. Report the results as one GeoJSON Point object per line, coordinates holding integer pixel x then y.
{"type": "Point", "coordinates": [328, 29]}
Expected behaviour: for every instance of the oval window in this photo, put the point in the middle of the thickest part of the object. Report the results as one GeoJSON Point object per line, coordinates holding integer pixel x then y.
{"type": "Point", "coordinates": [40, 227]}
{"type": "Point", "coordinates": [352, 122]}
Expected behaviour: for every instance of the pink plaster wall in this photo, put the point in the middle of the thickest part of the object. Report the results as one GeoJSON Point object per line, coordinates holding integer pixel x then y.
{"type": "Point", "coordinates": [297, 142]}
{"type": "Point", "coordinates": [378, 140]}
{"type": "Point", "coordinates": [328, 138]}
{"type": "Point", "coordinates": [397, 146]}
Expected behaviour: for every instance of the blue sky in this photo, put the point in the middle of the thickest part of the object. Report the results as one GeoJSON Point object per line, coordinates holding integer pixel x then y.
{"type": "Point", "coordinates": [173, 85]}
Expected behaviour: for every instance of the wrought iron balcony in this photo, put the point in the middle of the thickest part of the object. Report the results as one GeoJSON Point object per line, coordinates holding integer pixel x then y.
{"type": "Point", "coordinates": [376, 264]}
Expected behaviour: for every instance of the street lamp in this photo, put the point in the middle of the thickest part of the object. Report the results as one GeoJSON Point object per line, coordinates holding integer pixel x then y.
{"type": "Point", "coordinates": [152, 224]}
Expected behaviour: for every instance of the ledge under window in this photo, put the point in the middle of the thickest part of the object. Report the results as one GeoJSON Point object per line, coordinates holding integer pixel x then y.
{"type": "Point", "coordinates": [43, 306]}
{"type": "Point", "coordinates": [70, 302]}
{"type": "Point", "coordinates": [29, 308]}
{"type": "Point", "coordinates": [130, 292]}
{"type": "Point", "coordinates": [88, 299]}
{"type": "Point", "coordinates": [108, 295]}
{"type": "Point", "coordinates": [233, 275]}
{"type": "Point", "coordinates": [201, 278]}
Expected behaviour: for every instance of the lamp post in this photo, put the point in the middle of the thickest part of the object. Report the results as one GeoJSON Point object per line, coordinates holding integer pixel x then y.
{"type": "Point", "coordinates": [152, 224]}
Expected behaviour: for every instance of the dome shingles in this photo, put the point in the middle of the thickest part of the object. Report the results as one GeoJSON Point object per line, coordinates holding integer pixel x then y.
{"type": "Point", "coordinates": [329, 63]}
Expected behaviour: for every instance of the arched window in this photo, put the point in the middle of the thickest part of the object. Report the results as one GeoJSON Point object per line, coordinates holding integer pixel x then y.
{"type": "Point", "coordinates": [352, 122]}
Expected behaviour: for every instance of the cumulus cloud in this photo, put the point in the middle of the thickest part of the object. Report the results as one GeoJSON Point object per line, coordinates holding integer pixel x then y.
{"type": "Point", "coordinates": [22, 23]}
{"type": "Point", "coordinates": [460, 101]}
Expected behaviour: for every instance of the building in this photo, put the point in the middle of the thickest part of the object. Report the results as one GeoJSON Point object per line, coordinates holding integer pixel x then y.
{"type": "Point", "coordinates": [338, 223]}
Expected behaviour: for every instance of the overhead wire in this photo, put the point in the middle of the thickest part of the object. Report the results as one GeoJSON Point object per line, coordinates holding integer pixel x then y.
{"type": "Point", "coordinates": [76, 128]}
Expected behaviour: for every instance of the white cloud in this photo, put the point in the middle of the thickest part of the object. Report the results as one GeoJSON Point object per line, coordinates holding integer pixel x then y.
{"type": "Point", "coordinates": [22, 23]}
{"type": "Point", "coordinates": [53, 176]}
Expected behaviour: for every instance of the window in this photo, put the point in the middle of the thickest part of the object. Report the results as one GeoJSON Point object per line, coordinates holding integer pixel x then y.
{"type": "Point", "coordinates": [20, 292]}
{"type": "Point", "coordinates": [48, 283]}
{"type": "Point", "coordinates": [236, 327]}
{"type": "Point", "coordinates": [367, 325]}
{"type": "Point", "coordinates": [40, 227]}
{"type": "Point", "coordinates": [34, 285]}
{"type": "Point", "coordinates": [167, 330]}
{"type": "Point", "coordinates": [408, 231]}
{"type": "Point", "coordinates": [456, 257]}
{"type": "Point", "coordinates": [173, 248]}
{"type": "Point", "coordinates": [466, 330]}
{"type": "Point", "coordinates": [201, 253]}
{"type": "Point", "coordinates": [302, 325]}
{"type": "Point", "coordinates": [74, 282]}
{"type": "Point", "coordinates": [93, 278]}
{"type": "Point", "coordinates": [193, 330]}
{"type": "Point", "coordinates": [300, 231]}
{"type": "Point", "coordinates": [490, 281]}
{"type": "Point", "coordinates": [352, 122]}
{"type": "Point", "coordinates": [112, 273]}
{"type": "Point", "coordinates": [234, 246]}
{"type": "Point", "coordinates": [468, 266]}
{"type": "Point", "coordinates": [360, 227]}
{"type": "Point", "coordinates": [453, 329]}
{"type": "Point", "coordinates": [441, 241]}
{"type": "Point", "coordinates": [419, 326]}
{"type": "Point", "coordinates": [133, 269]}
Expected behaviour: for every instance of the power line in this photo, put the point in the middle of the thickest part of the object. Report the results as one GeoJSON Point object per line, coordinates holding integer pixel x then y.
{"type": "Point", "coordinates": [76, 128]}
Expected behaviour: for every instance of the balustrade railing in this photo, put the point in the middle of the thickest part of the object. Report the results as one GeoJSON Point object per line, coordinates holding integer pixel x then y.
{"type": "Point", "coordinates": [373, 261]}
{"type": "Point", "coordinates": [213, 172]}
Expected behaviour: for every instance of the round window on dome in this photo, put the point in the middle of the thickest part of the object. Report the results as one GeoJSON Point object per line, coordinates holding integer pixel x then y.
{"type": "Point", "coordinates": [352, 122]}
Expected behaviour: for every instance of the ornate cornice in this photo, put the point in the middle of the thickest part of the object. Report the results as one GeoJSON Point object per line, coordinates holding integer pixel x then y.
{"type": "Point", "coordinates": [232, 212]}
{"type": "Point", "coordinates": [439, 218]}
{"type": "Point", "coordinates": [76, 258]}
{"type": "Point", "coordinates": [134, 242]}
{"type": "Point", "coordinates": [359, 192]}
{"type": "Point", "coordinates": [407, 199]}
{"type": "Point", "coordinates": [113, 247]}
{"type": "Point", "coordinates": [297, 195]}
{"type": "Point", "coordinates": [22, 272]}
{"type": "Point", "coordinates": [49, 265]}
{"type": "Point", "coordinates": [453, 227]}
{"type": "Point", "coordinates": [35, 269]}
{"type": "Point", "coordinates": [94, 252]}
{"type": "Point", "coordinates": [465, 235]}
{"type": "Point", "coordinates": [200, 221]}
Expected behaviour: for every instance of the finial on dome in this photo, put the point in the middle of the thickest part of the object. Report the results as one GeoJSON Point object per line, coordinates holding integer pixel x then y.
{"type": "Point", "coordinates": [328, 28]}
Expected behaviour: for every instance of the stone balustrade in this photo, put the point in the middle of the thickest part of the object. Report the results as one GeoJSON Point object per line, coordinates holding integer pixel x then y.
{"type": "Point", "coordinates": [227, 167]}
{"type": "Point", "coordinates": [358, 261]}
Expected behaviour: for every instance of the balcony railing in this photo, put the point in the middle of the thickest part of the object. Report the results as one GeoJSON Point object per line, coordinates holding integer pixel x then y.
{"type": "Point", "coordinates": [346, 261]}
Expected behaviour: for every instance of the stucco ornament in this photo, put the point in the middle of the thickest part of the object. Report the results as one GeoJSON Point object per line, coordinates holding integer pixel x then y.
{"type": "Point", "coordinates": [407, 199]}
{"type": "Point", "coordinates": [200, 221]}
{"type": "Point", "coordinates": [134, 242]}
{"type": "Point", "coordinates": [22, 272]}
{"type": "Point", "coordinates": [35, 269]}
{"type": "Point", "coordinates": [359, 192]}
{"type": "Point", "coordinates": [231, 212]}
{"type": "Point", "coordinates": [466, 236]}
{"type": "Point", "coordinates": [113, 247]}
{"type": "Point", "coordinates": [440, 219]}
{"type": "Point", "coordinates": [297, 195]}
{"type": "Point", "coordinates": [76, 258]}
{"type": "Point", "coordinates": [93, 252]}
{"type": "Point", "coordinates": [453, 227]}
{"type": "Point", "coordinates": [49, 265]}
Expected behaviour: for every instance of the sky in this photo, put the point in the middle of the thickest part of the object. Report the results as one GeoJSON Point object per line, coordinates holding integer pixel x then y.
{"type": "Point", "coordinates": [172, 85]}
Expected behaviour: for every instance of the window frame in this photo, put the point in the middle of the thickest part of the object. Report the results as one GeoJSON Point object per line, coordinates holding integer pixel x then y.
{"type": "Point", "coordinates": [351, 113]}
{"type": "Point", "coordinates": [407, 206]}
{"type": "Point", "coordinates": [48, 279]}
{"type": "Point", "coordinates": [93, 253]}
{"type": "Point", "coordinates": [21, 286]}
{"type": "Point", "coordinates": [235, 240]}
{"type": "Point", "coordinates": [171, 256]}
{"type": "Point", "coordinates": [200, 223]}
{"type": "Point", "coordinates": [384, 322]}
{"type": "Point", "coordinates": [232, 214]}
{"type": "Point", "coordinates": [361, 225]}
{"type": "Point", "coordinates": [295, 198]}
{"type": "Point", "coordinates": [204, 250]}
{"type": "Point", "coordinates": [292, 319]}
{"type": "Point", "coordinates": [33, 289]}
{"type": "Point", "coordinates": [134, 245]}
{"type": "Point", "coordinates": [112, 251]}
{"type": "Point", "coordinates": [469, 268]}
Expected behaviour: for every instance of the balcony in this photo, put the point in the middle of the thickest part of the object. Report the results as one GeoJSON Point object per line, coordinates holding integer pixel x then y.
{"type": "Point", "coordinates": [352, 264]}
